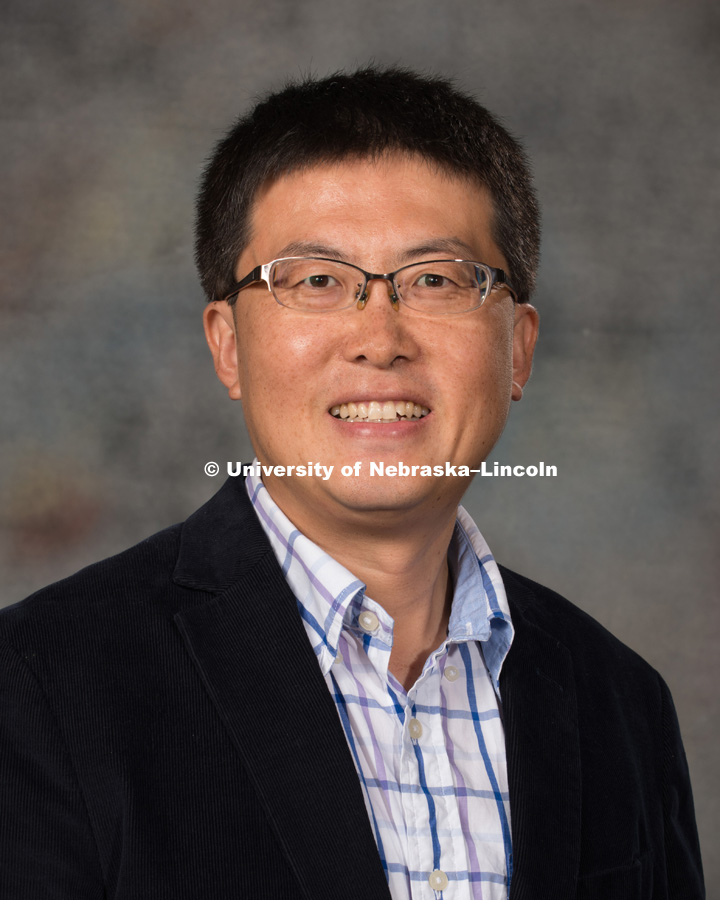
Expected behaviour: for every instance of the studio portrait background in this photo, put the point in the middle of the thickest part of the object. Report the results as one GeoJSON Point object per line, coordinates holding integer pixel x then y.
{"type": "Point", "coordinates": [110, 406]}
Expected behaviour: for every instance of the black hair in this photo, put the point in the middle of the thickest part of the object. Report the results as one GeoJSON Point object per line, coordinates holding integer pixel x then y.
{"type": "Point", "coordinates": [364, 114]}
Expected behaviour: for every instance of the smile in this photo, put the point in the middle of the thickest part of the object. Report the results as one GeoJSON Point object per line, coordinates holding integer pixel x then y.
{"type": "Point", "coordinates": [381, 411]}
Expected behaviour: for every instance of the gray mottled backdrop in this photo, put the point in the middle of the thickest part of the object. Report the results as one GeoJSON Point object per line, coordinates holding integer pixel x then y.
{"type": "Point", "coordinates": [110, 406]}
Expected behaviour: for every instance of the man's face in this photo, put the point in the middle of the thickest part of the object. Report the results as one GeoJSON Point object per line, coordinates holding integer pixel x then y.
{"type": "Point", "coordinates": [290, 368]}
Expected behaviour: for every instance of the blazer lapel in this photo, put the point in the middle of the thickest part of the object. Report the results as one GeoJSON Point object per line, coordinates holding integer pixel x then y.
{"type": "Point", "coordinates": [253, 655]}
{"type": "Point", "coordinates": [537, 687]}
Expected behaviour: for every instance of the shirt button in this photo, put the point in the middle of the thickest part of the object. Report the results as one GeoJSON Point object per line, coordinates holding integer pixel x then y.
{"type": "Point", "coordinates": [438, 880]}
{"type": "Point", "coordinates": [368, 621]}
{"type": "Point", "coordinates": [415, 729]}
{"type": "Point", "coordinates": [451, 673]}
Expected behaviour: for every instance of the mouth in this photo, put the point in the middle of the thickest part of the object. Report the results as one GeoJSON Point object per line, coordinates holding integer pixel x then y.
{"type": "Point", "coordinates": [381, 412]}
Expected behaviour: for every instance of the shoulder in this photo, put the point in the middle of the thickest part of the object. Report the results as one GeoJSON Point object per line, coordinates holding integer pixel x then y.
{"type": "Point", "coordinates": [131, 599]}
{"type": "Point", "coordinates": [544, 608]}
{"type": "Point", "coordinates": [122, 610]}
{"type": "Point", "coordinates": [602, 664]}
{"type": "Point", "coordinates": [127, 570]}
{"type": "Point", "coordinates": [109, 591]}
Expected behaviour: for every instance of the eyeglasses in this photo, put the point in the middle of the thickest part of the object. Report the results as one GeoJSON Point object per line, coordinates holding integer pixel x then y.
{"type": "Point", "coordinates": [436, 286]}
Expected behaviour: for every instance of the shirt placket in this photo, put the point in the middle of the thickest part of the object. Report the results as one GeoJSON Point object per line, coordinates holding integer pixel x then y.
{"type": "Point", "coordinates": [431, 813]}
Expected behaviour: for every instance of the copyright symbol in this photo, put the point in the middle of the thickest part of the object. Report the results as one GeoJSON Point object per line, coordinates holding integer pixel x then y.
{"type": "Point", "coordinates": [212, 468]}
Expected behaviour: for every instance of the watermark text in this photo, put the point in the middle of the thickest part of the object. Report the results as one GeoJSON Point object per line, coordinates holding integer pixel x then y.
{"type": "Point", "coordinates": [384, 470]}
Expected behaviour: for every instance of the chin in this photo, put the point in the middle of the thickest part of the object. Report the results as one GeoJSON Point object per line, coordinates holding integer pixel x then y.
{"type": "Point", "coordinates": [384, 493]}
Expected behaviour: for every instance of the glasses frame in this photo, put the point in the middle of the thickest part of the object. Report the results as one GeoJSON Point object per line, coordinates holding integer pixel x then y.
{"type": "Point", "coordinates": [496, 278]}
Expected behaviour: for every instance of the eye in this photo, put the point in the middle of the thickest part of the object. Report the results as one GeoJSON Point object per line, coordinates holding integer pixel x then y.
{"type": "Point", "coordinates": [432, 280]}
{"type": "Point", "coordinates": [319, 281]}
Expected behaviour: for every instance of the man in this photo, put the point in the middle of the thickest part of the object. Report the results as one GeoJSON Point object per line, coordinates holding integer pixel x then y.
{"type": "Point", "coordinates": [322, 684]}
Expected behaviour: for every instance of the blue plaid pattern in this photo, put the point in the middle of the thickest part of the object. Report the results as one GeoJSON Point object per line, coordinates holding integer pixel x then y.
{"type": "Point", "coordinates": [431, 761]}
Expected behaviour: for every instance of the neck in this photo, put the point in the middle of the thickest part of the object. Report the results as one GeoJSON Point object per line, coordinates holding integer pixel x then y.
{"type": "Point", "coordinates": [402, 558]}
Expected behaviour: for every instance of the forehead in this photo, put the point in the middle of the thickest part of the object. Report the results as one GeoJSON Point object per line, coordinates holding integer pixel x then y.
{"type": "Point", "coordinates": [370, 209]}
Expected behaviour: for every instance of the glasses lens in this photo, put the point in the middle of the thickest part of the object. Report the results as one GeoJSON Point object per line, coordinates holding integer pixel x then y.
{"type": "Point", "coordinates": [315, 285]}
{"type": "Point", "coordinates": [447, 286]}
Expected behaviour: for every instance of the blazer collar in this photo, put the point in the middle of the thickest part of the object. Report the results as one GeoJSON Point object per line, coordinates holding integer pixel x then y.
{"type": "Point", "coordinates": [267, 687]}
{"type": "Point", "coordinates": [537, 686]}
{"type": "Point", "coordinates": [221, 541]}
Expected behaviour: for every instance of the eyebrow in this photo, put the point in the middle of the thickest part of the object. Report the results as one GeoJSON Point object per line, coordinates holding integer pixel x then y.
{"type": "Point", "coordinates": [454, 246]}
{"type": "Point", "coordinates": [308, 248]}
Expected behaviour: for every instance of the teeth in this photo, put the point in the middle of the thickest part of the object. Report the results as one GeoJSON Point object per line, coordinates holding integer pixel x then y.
{"type": "Point", "coordinates": [374, 411]}
{"type": "Point", "coordinates": [383, 412]}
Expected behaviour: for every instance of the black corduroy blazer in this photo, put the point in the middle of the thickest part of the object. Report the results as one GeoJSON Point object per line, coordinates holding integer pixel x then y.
{"type": "Point", "coordinates": [165, 732]}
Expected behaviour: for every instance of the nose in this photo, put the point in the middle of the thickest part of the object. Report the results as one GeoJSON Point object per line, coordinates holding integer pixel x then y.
{"type": "Point", "coordinates": [363, 299]}
{"type": "Point", "coordinates": [379, 335]}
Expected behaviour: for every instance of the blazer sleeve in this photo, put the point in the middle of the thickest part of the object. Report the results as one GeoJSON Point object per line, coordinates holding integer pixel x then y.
{"type": "Point", "coordinates": [682, 847]}
{"type": "Point", "coordinates": [47, 849]}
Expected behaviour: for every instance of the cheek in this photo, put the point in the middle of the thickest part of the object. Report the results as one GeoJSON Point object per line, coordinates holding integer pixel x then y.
{"type": "Point", "coordinates": [501, 361]}
{"type": "Point", "coordinates": [499, 348]}
{"type": "Point", "coordinates": [482, 364]}
{"type": "Point", "coordinates": [277, 357]}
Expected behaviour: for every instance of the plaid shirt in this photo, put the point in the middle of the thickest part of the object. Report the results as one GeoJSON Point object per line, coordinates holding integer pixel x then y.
{"type": "Point", "coordinates": [431, 761]}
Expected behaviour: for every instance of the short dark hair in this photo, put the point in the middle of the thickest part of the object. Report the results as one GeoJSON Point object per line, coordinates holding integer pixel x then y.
{"type": "Point", "coordinates": [363, 114]}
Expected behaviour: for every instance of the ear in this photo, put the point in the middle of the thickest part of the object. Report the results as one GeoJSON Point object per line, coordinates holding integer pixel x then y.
{"type": "Point", "coordinates": [219, 324]}
{"type": "Point", "coordinates": [525, 333]}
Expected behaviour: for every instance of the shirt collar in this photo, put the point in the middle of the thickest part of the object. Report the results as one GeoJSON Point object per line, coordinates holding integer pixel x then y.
{"type": "Point", "coordinates": [322, 586]}
{"type": "Point", "coordinates": [480, 609]}
{"type": "Point", "coordinates": [329, 597]}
